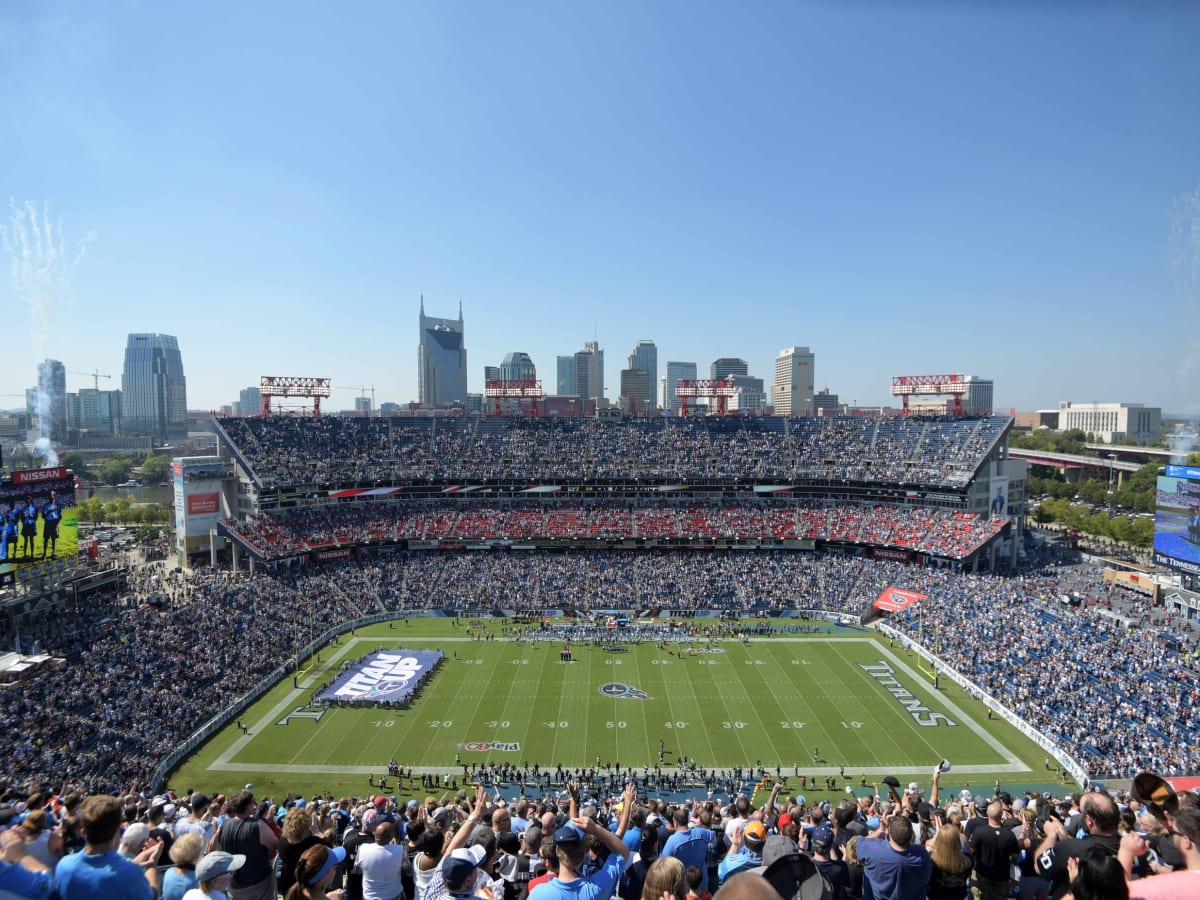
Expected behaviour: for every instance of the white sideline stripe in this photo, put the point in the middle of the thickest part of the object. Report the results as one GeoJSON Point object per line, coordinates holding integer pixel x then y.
{"type": "Point", "coordinates": [224, 763]}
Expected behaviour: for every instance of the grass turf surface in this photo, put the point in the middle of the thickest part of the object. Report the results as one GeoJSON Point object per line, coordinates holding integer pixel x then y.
{"type": "Point", "coordinates": [776, 700]}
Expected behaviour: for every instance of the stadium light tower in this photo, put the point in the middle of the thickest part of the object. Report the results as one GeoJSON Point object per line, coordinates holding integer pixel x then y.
{"type": "Point", "coordinates": [287, 386]}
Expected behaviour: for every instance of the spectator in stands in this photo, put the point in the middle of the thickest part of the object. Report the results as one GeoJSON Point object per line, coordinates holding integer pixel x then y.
{"type": "Point", "coordinates": [665, 878]}
{"type": "Point", "coordinates": [197, 821]}
{"type": "Point", "coordinates": [689, 843]}
{"type": "Point", "coordinates": [245, 834]}
{"type": "Point", "coordinates": [994, 848]}
{"type": "Point", "coordinates": [22, 875]}
{"type": "Point", "coordinates": [296, 837]}
{"type": "Point", "coordinates": [569, 847]}
{"type": "Point", "coordinates": [1097, 876]}
{"type": "Point", "coordinates": [951, 873]}
{"type": "Point", "coordinates": [381, 864]}
{"type": "Point", "coordinates": [98, 870]}
{"type": "Point", "coordinates": [41, 842]}
{"type": "Point", "coordinates": [836, 872]}
{"type": "Point", "coordinates": [214, 872]}
{"type": "Point", "coordinates": [426, 861]}
{"type": "Point", "coordinates": [1100, 819]}
{"type": "Point", "coordinates": [181, 878]}
{"type": "Point", "coordinates": [745, 849]}
{"type": "Point", "coordinates": [1185, 833]}
{"type": "Point", "coordinates": [893, 867]}
{"type": "Point", "coordinates": [315, 872]}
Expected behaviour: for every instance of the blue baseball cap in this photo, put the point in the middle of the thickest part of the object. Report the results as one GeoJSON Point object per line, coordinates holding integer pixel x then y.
{"type": "Point", "coordinates": [568, 834]}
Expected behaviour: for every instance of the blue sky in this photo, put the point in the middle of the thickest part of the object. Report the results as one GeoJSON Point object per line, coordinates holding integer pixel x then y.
{"type": "Point", "coordinates": [919, 187]}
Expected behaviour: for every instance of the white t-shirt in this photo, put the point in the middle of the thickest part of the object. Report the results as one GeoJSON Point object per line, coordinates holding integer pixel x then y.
{"type": "Point", "coordinates": [197, 894]}
{"type": "Point", "coordinates": [381, 865]}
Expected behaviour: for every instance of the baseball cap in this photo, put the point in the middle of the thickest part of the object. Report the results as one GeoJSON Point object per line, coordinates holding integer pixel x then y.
{"type": "Point", "coordinates": [217, 863]}
{"type": "Point", "coordinates": [568, 834]}
{"type": "Point", "coordinates": [459, 865]}
{"type": "Point", "coordinates": [793, 874]}
{"type": "Point", "coordinates": [755, 831]}
{"type": "Point", "coordinates": [822, 838]}
{"type": "Point", "coordinates": [381, 801]}
{"type": "Point", "coordinates": [913, 787]}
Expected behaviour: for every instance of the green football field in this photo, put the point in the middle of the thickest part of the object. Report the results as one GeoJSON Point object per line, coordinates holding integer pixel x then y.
{"type": "Point", "coordinates": [846, 696]}
{"type": "Point", "coordinates": [67, 546]}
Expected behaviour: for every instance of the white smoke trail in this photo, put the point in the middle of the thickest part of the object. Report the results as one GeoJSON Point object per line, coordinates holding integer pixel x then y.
{"type": "Point", "coordinates": [40, 270]}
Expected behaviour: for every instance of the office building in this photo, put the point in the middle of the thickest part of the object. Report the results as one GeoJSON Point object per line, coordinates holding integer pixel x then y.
{"type": "Point", "coordinates": [52, 400]}
{"type": "Point", "coordinates": [249, 402]}
{"type": "Point", "coordinates": [517, 366]}
{"type": "Point", "coordinates": [726, 366]}
{"type": "Point", "coordinates": [635, 387]}
{"type": "Point", "coordinates": [645, 357]}
{"type": "Point", "coordinates": [565, 382]}
{"type": "Point", "coordinates": [676, 372]}
{"type": "Point", "coordinates": [490, 373]}
{"type": "Point", "coordinates": [1111, 422]}
{"type": "Point", "coordinates": [825, 403]}
{"type": "Point", "coordinates": [153, 387]}
{"type": "Point", "coordinates": [793, 390]}
{"type": "Point", "coordinates": [751, 396]}
{"type": "Point", "coordinates": [95, 411]}
{"type": "Point", "coordinates": [589, 372]}
{"type": "Point", "coordinates": [441, 360]}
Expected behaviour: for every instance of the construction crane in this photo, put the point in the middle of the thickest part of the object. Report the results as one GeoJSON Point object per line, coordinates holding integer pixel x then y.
{"type": "Point", "coordinates": [96, 376]}
{"type": "Point", "coordinates": [362, 391]}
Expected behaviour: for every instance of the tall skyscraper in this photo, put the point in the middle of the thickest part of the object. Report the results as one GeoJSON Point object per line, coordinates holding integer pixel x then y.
{"type": "Point", "coordinates": [517, 366]}
{"type": "Point", "coordinates": [677, 371]}
{"type": "Point", "coordinates": [645, 357]}
{"type": "Point", "coordinates": [793, 390]}
{"type": "Point", "coordinates": [441, 360]}
{"type": "Point", "coordinates": [589, 372]}
{"type": "Point", "coordinates": [635, 385]}
{"type": "Point", "coordinates": [98, 411]}
{"type": "Point", "coordinates": [491, 373]}
{"type": "Point", "coordinates": [153, 388]}
{"type": "Point", "coordinates": [566, 376]}
{"type": "Point", "coordinates": [728, 365]}
{"type": "Point", "coordinates": [250, 402]}
{"type": "Point", "coordinates": [52, 400]}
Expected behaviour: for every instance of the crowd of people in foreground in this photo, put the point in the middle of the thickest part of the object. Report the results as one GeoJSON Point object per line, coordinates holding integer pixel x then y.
{"type": "Point", "coordinates": [931, 451]}
{"type": "Point", "coordinates": [876, 844]}
{"type": "Point", "coordinates": [105, 718]}
{"type": "Point", "coordinates": [941, 532]}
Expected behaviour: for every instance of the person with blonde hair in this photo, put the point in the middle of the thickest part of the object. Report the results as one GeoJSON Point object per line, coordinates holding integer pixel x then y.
{"type": "Point", "coordinates": [665, 877]}
{"type": "Point", "coordinates": [296, 837]}
{"type": "Point", "coordinates": [42, 843]}
{"type": "Point", "coordinates": [850, 858]}
{"type": "Point", "coordinates": [181, 878]}
{"type": "Point", "coordinates": [951, 868]}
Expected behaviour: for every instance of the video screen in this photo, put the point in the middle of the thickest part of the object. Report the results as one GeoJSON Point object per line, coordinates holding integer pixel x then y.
{"type": "Point", "coordinates": [38, 520]}
{"type": "Point", "coordinates": [1177, 519]}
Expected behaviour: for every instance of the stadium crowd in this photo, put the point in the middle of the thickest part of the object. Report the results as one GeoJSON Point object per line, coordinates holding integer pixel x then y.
{"type": "Point", "coordinates": [602, 839]}
{"type": "Point", "coordinates": [940, 532]}
{"type": "Point", "coordinates": [113, 709]}
{"type": "Point", "coordinates": [337, 450]}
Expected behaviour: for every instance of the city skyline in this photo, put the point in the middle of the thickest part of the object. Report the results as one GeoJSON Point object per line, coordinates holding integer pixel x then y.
{"type": "Point", "coordinates": [903, 190]}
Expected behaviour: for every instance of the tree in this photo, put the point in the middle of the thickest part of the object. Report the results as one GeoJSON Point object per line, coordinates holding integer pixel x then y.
{"type": "Point", "coordinates": [115, 471]}
{"type": "Point", "coordinates": [155, 468]}
{"type": "Point", "coordinates": [75, 461]}
{"type": "Point", "coordinates": [92, 510]}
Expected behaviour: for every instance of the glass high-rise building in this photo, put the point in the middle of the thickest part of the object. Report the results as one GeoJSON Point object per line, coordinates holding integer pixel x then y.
{"type": "Point", "coordinates": [441, 360]}
{"type": "Point", "coordinates": [566, 376]}
{"type": "Point", "coordinates": [645, 357]}
{"type": "Point", "coordinates": [676, 372]}
{"type": "Point", "coordinates": [153, 387]}
{"type": "Point", "coordinates": [517, 366]}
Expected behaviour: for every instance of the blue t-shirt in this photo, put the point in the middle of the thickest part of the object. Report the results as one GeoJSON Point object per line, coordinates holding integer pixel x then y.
{"type": "Point", "coordinates": [889, 874]}
{"type": "Point", "coordinates": [21, 882]}
{"type": "Point", "coordinates": [175, 884]}
{"type": "Point", "coordinates": [600, 885]}
{"type": "Point", "coordinates": [736, 862]}
{"type": "Point", "coordinates": [633, 839]}
{"type": "Point", "coordinates": [691, 848]}
{"type": "Point", "coordinates": [83, 876]}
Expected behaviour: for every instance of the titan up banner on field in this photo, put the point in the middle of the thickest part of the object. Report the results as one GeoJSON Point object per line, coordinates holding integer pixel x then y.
{"type": "Point", "coordinates": [385, 676]}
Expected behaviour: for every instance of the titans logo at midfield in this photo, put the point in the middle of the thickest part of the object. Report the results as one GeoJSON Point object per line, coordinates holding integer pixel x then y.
{"type": "Point", "coordinates": [619, 691]}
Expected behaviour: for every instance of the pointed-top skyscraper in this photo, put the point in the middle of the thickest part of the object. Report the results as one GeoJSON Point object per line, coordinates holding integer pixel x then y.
{"type": "Point", "coordinates": [441, 360]}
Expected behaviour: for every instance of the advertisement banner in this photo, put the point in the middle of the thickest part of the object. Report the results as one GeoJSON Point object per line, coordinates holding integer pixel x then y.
{"type": "Point", "coordinates": [204, 504]}
{"type": "Point", "coordinates": [897, 555]}
{"type": "Point", "coordinates": [38, 476]}
{"type": "Point", "coordinates": [998, 496]}
{"type": "Point", "coordinates": [386, 676]}
{"type": "Point", "coordinates": [896, 599]}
